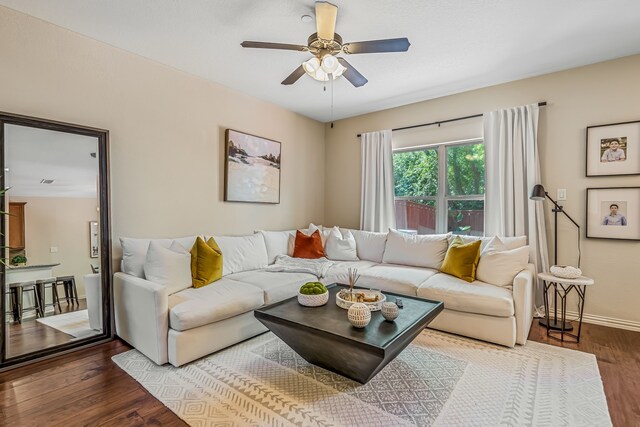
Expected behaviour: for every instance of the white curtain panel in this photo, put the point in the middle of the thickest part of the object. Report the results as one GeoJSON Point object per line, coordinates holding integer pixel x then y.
{"type": "Point", "coordinates": [377, 208]}
{"type": "Point", "coordinates": [512, 169]}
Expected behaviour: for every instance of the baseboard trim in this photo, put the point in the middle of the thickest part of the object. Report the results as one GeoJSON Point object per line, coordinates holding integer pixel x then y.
{"type": "Point", "coordinates": [612, 322]}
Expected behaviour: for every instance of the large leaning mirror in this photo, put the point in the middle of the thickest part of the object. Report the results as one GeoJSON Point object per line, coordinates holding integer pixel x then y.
{"type": "Point", "coordinates": [55, 234]}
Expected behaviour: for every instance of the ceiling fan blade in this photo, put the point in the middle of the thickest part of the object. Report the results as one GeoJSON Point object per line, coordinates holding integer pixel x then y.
{"type": "Point", "coordinates": [377, 46]}
{"type": "Point", "coordinates": [353, 75]}
{"type": "Point", "coordinates": [293, 77]}
{"type": "Point", "coordinates": [326, 14]}
{"type": "Point", "coordinates": [267, 45]}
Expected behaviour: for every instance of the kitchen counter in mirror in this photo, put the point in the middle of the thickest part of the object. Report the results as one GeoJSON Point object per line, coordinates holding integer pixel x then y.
{"type": "Point", "coordinates": [31, 267]}
{"type": "Point", "coordinates": [25, 273]}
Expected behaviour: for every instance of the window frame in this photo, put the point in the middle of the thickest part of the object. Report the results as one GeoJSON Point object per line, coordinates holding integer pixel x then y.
{"type": "Point", "coordinates": [441, 198]}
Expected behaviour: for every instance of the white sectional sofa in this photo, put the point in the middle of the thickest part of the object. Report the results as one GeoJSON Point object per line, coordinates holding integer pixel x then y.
{"type": "Point", "coordinates": [191, 323]}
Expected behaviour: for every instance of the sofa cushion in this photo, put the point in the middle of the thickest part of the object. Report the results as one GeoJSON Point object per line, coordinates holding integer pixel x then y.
{"type": "Point", "coordinates": [369, 245]}
{"type": "Point", "coordinates": [477, 297]}
{"type": "Point", "coordinates": [341, 246]}
{"type": "Point", "coordinates": [500, 267]}
{"type": "Point", "coordinates": [461, 260]}
{"type": "Point", "coordinates": [416, 250]}
{"type": "Point", "coordinates": [510, 242]}
{"type": "Point", "coordinates": [220, 300]}
{"type": "Point", "coordinates": [277, 286]}
{"type": "Point", "coordinates": [206, 262]}
{"type": "Point", "coordinates": [401, 279]}
{"type": "Point", "coordinates": [309, 247]}
{"type": "Point", "coordinates": [134, 252]}
{"type": "Point", "coordinates": [169, 267]}
{"type": "Point", "coordinates": [339, 271]}
{"type": "Point", "coordinates": [277, 243]}
{"type": "Point", "coordinates": [242, 253]}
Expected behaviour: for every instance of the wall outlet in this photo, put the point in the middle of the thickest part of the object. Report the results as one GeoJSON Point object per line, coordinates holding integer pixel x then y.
{"type": "Point", "coordinates": [562, 194]}
{"type": "Point", "coordinates": [53, 249]}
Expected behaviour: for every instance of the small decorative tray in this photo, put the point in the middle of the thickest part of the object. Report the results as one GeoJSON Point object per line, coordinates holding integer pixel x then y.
{"type": "Point", "coordinates": [566, 271]}
{"type": "Point", "coordinates": [372, 299]}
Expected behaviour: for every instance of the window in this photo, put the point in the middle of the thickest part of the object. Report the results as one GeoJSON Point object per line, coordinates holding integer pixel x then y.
{"type": "Point", "coordinates": [440, 188]}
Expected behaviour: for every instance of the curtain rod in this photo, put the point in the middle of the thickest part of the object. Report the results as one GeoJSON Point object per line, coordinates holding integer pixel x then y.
{"type": "Point", "coordinates": [540, 104]}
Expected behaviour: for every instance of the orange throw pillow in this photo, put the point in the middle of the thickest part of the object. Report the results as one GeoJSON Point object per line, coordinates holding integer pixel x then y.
{"type": "Point", "coordinates": [308, 246]}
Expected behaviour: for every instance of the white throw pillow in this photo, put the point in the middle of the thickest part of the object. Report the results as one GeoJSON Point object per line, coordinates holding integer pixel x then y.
{"type": "Point", "coordinates": [169, 267]}
{"type": "Point", "coordinates": [277, 243]}
{"type": "Point", "coordinates": [495, 244]}
{"type": "Point", "coordinates": [500, 267]}
{"type": "Point", "coordinates": [242, 253]}
{"type": "Point", "coordinates": [416, 250]}
{"type": "Point", "coordinates": [134, 252]}
{"type": "Point", "coordinates": [369, 245]}
{"type": "Point", "coordinates": [341, 247]}
{"type": "Point", "coordinates": [509, 242]}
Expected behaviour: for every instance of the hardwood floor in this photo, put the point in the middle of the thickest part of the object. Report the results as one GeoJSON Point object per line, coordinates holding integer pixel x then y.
{"type": "Point", "coordinates": [31, 335]}
{"type": "Point", "coordinates": [87, 388]}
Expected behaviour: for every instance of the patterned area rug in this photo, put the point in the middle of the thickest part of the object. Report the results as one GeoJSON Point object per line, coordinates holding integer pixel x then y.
{"type": "Point", "coordinates": [439, 379]}
{"type": "Point", "coordinates": [74, 323]}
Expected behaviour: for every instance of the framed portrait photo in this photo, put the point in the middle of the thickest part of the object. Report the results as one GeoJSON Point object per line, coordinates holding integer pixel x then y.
{"type": "Point", "coordinates": [252, 168]}
{"type": "Point", "coordinates": [613, 213]}
{"type": "Point", "coordinates": [613, 149]}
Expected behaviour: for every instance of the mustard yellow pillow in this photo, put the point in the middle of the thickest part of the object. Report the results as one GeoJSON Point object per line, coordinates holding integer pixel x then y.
{"type": "Point", "coordinates": [206, 262]}
{"type": "Point", "coordinates": [462, 259]}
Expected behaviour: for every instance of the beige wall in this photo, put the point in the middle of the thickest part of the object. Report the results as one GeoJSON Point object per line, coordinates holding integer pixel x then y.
{"type": "Point", "coordinates": [603, 93]}
{"type": "Point", "coordinates": [166, 130]}
{"type": "Point", "coordinates": [62, 223]}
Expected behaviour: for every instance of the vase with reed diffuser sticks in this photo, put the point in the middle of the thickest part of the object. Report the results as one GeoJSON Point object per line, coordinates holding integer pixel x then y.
{"type": "Point", "coordinates": [353, 279]}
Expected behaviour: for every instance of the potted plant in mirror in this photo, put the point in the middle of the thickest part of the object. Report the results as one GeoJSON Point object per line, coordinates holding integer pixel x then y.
{"type": "Point", "coordinates": [19, 260]}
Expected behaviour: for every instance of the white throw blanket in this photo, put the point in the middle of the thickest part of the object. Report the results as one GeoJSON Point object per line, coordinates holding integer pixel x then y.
{"type": "Point", "coordinates": [318, 267]}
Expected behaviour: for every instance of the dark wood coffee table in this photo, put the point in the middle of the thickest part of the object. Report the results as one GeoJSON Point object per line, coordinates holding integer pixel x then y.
{"type": "Point", "coordinates": [323, 335]}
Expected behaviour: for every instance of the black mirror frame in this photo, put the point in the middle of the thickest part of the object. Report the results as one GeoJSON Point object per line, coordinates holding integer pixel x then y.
{"type": "Point", "coordinates": [105, 238]}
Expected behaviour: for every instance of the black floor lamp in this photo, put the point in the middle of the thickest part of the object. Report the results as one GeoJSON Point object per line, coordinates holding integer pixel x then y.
{"type": "Point", "coordinates": [538, 194]}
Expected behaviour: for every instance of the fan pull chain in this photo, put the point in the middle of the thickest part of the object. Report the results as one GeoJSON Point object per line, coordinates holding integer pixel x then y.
{"type": "Point", "coordinates": [331, 83]}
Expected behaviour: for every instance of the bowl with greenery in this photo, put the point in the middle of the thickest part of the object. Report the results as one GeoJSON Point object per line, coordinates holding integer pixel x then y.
{"type": "Point", "coordinates": [313, 294]}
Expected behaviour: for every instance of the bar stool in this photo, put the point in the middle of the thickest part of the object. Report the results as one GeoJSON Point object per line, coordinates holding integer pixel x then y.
{"type": "Point", "coordinates": [70, 291]}
{"type": "Point", "coordinates": [41, 286]}
{"type": "Point", "coordinates": [18, 289]}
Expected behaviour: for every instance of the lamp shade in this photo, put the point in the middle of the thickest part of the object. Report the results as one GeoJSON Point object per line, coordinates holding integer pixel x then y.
{"type": "Point", "coordinates": [537, 193]}
{"type": "Point", "coordinates": [329, 64]}
{"type": "Point", "coordinates": [311, 66]}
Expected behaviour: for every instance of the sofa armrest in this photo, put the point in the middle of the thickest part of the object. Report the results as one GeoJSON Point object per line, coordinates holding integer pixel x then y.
{"type": "Point", "coordinates": [523, 289]}
{"type": "Point", "coordinates": [93, 294]}
{"type": "Point", "coordinates": [142, 315]}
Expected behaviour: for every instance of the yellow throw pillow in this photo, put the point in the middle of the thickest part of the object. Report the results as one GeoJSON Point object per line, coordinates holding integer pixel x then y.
{"type": "Point", "coordinates": [462, 259]}
{"type": "Point", "coordinates": [206, 262]}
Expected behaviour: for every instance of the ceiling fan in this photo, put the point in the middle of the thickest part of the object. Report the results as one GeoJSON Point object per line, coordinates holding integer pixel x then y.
{"type": "Point", "coordinates": [326, 44]}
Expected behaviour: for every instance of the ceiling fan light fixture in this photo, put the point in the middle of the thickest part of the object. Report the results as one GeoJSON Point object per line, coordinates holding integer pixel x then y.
{"type": "Point", "coordinates": [339, 71]}
{"type": "Point", "coordinates": [311, 66]}
{"type": "Point", "coordinates": [329, 64]}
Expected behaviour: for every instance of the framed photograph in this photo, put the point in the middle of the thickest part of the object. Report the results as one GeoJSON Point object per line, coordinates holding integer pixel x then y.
{"type": "Point", "coordinates": [613, 213]}
{"type": "Point", "coordinates": [93, 239]}
{"type": "Point", "coordinates": [252, 168]}
{"type": "Point", "coordinates": [613, 149]}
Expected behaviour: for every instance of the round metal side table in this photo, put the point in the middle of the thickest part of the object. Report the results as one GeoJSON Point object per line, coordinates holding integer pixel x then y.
{"type": "Point", "coordinates": [561, 289]}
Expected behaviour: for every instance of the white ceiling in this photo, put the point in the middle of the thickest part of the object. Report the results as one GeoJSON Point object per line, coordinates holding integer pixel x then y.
{"type": "Point", "coordinates": [33, 154]}
{"type": "Point", "coordinates": [456, 45]}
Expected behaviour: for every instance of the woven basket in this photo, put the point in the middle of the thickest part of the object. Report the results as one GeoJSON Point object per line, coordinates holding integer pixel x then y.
{"type": "Point", "coordinates": [313, 300]}
{"type": "Point", "coordinates": [565, 271]}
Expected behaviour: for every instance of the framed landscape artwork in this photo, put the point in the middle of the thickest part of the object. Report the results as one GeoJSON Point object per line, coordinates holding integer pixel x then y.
{"type": "Point", "coordinates": [613, 213]}
{"type": "Point", "coordinates": [613, 149]}
{"type": "Point", "coordinates": [252, 168]}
